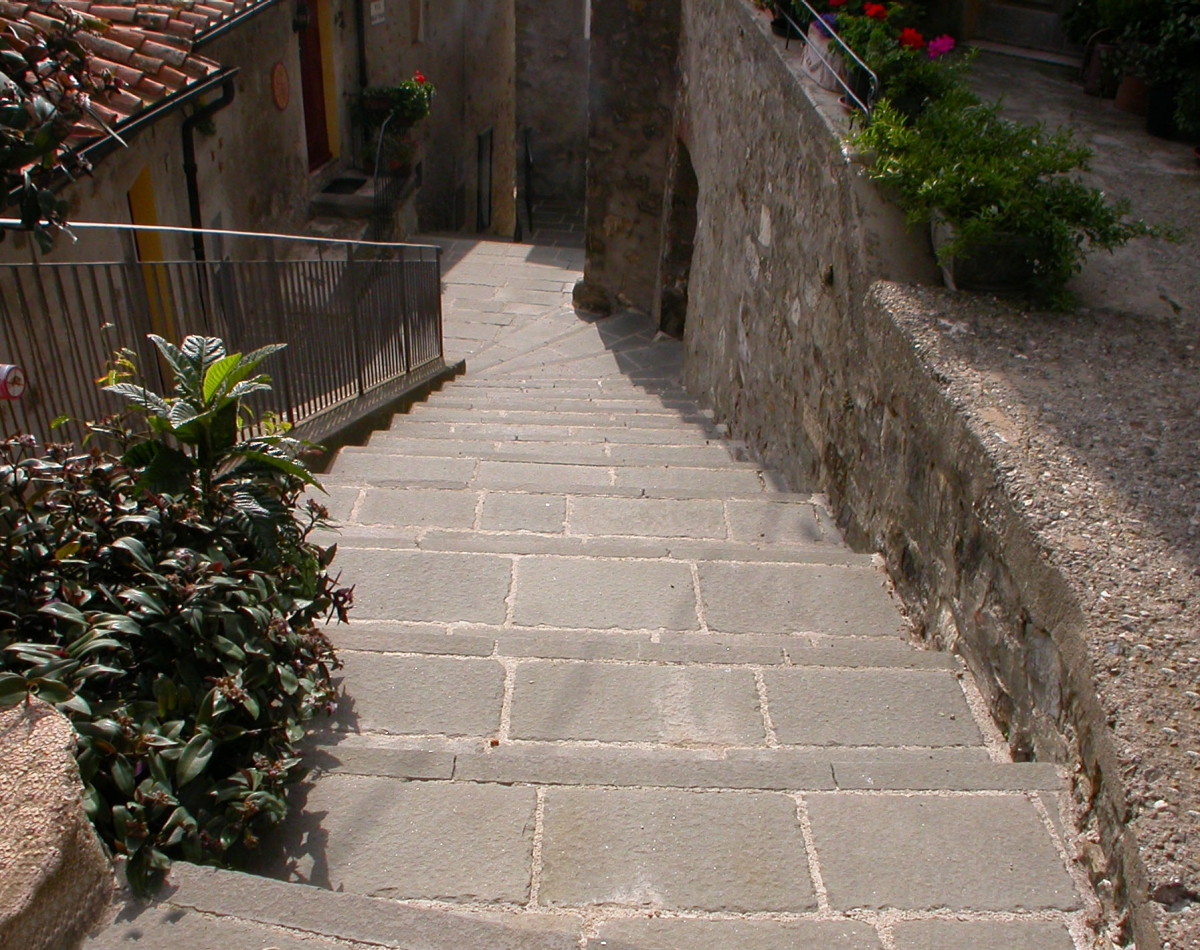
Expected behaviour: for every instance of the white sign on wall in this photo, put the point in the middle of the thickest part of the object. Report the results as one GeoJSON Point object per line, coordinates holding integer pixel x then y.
{"type": "Point", "coordinates": [378, 12]}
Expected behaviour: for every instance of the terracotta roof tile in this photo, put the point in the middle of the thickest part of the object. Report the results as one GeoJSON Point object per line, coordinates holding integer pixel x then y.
{"type": "Point", "coordinates": [147, 64]}
{"type": "Point", "coordinates": [148, 47]}
{"type": "Point", "coordinates": [116, 14]}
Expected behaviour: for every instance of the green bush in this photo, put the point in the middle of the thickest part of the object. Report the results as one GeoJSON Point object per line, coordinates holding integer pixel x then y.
{"type": "Point", "coordinates": [994, 178]}
{"type": "Point", "coordinates": [165, 601]}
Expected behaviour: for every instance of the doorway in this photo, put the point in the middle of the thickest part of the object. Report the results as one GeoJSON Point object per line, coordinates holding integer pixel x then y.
{"type": "Point", "coordinates": [312, 85]}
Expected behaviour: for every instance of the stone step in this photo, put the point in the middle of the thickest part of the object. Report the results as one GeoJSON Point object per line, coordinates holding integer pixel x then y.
{"type": "Point", "coordinates": [507, 399]}
{"type": "Point", "coordinates": [410, 426]}
{"type": "Point", "coordinates": [757, 524]}
{"type": "Point", "coordinates": [542, 416]}
{"type": "Point", "coordinates": [541, 477]}
{"type": "Point", "coordinates": [523, 544]}
{"type": "Point", "coordinates": [779, 769]}
{"type": "Point", "coordinates": [204, 908]}
{"type": "Point", "coordinates": [714, 454]}
{"type": "Point", "coordinates": [619, 593]}
{"type": "Point", "coordinates": [619, 386]}
{"type": "Point", "coordinates": [716, 853]}
{"type": "Point", "coordinates": [692, 705]}
{"type": "Point", "coordinates": [705, 649]}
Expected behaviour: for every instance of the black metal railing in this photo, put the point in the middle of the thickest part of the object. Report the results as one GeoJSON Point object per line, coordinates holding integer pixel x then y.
{"type": "Point", "coordinates": [362, 322]}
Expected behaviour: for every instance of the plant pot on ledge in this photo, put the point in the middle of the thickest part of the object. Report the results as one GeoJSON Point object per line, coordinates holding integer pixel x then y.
{"type": "Point", "coordinates": [1003, 266]}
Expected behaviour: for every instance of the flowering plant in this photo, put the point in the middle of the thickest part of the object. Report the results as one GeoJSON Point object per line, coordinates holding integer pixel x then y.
{"type": "Point", "coordinates": [912, 71]}
{"type": "Point", "coordinates": [939, 47]}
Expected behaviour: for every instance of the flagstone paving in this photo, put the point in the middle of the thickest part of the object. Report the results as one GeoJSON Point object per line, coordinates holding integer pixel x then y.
{"type": "Point", "coordinates": [612, 685]}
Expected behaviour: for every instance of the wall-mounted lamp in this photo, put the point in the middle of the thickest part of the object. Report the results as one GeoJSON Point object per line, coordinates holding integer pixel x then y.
{"type": "Point", "coordinates": [300, 18]}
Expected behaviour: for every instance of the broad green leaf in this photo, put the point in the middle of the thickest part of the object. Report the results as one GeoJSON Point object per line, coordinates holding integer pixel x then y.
{"type": "Point", "coordinates": [139, 396]}
{"type": "Point", "coordinates": [136, 550]}
{"type": "Point", "coordinates": [52, 691]}
{"type": "Point", "coordinates": [61, 611]}
{"type": "Point", "coordinates": [194, 759]}
{"type": "Point", "coordinates": [12, 689]}
{"type": "Point", "coordinates": [217, 374]}
{"type": "Point", "coordinates": [286, 466]}
{"type": "Point", "coordinates": [122, 775]}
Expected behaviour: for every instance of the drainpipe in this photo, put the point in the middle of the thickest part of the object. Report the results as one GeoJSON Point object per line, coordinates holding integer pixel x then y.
{"type": "Point", "coordinates": [189, 159]}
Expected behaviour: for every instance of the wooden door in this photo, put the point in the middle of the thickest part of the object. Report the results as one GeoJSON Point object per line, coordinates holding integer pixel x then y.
{"type": "Point", "coordinates": [312, 85]}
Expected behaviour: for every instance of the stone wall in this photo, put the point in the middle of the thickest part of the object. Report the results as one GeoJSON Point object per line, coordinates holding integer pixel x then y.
{"type": "Point", "coordinates": [57, 880]}
{"type": "Point", "coordinates": [631, 101]}
{"type": "Point", "coordinates": [552, 81]}
{"type": "Point", "coordinates": [467, 49]}
{"type": "Point", "coordinates": [807, 358]}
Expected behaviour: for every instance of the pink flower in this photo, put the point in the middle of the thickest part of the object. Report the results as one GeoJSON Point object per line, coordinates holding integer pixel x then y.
{"type": "Point", "coordinates": [940, 46]}
{"type": "Point", "coordinates": [911, 39]}
{"type": "Point", "coordinates": [837, 3]}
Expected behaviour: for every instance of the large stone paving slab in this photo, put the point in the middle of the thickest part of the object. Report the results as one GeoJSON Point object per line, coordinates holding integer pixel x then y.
{"type": "Point", "coordinates": [981, 935]}
{"type": "Point", "coordinates": [427, 586]}
{"type": "Point", "coordinates": [442, 509]}
{"type": "Point", "coordinates": [578, 592]}
{"type": "Point", "coordinates": [869, 708]}
{"type": "Point", "coordinates": [739, 852]}
{"type": "Point", "coordinates": [927, 852]}
{"type": "Point", "coordinates": [520, 512]}
{"type": "Point", "coordinates": [644, 517]}
{"type": "Point", "coordinates": [610, 703]}
{"type": "Point", "coordinates": [775, 598]}
{"type": "Point", "coordinates": [412, 840]}
{"type": "Point", "coordinates": [689, 934]}
{"type": "Point", "coordinates": [428, 695]}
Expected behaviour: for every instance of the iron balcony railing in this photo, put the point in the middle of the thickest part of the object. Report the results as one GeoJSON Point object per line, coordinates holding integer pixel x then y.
{"type": "Point", "coordinates": [362, 322]}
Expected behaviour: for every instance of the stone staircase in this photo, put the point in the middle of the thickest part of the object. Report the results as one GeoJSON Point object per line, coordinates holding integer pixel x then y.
{"type": "Point", "coordinates": [610, 684]}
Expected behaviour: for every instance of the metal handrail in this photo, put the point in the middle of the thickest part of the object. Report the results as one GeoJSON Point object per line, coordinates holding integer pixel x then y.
{"type": "Point", "coordinates": [873, 92]}
{"type": "Point", "coordinates": [360, 329]}
{"type": "Point", "coordinates": [15, 224]}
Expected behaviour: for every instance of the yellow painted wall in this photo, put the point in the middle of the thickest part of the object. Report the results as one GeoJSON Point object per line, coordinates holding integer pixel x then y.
{"type": "Point", "coordinates": [329, 39]}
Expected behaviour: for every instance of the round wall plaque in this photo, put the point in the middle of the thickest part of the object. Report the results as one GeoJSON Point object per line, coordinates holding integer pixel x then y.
{"type": "Point", "coordinates": [281, 89]}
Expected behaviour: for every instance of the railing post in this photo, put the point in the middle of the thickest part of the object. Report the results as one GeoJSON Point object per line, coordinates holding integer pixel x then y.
{"type": "Point", "coordinates": [275, 307]}
{"type": "Point", "coordinates": [355, 335]}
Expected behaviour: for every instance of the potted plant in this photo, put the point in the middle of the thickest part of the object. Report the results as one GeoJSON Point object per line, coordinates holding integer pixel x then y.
{"type": "Point", "coordinates": [999, 192]}
{"type": "Point", "coordinates": [393, 110]}
{"type": "Point", "coordinates": [1164, 48]}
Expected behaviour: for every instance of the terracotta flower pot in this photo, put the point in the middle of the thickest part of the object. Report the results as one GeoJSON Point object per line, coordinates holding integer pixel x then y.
{"type": "Point", "coordinates": [1133, 95]}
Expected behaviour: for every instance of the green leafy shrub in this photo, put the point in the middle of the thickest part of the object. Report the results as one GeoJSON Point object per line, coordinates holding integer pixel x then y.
{"type": "Point", "coordinates": [993, 178]}
{"type": "Point", "coordinates": [165, 601]}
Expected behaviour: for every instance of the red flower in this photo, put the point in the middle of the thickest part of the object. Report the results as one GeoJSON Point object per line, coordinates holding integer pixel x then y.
{"type": "Point", "coordinates": [837, 3]}
{"type": "Point", "coordinates": [911, 39]}
{"type": "Point", "coordinates": [876, 11]}
{"type": "Point", "coordinates": [419, 77]}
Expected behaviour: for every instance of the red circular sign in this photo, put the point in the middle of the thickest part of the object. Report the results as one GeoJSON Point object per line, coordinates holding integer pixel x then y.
{"type": "Point", "coordinates": [281, 88]}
